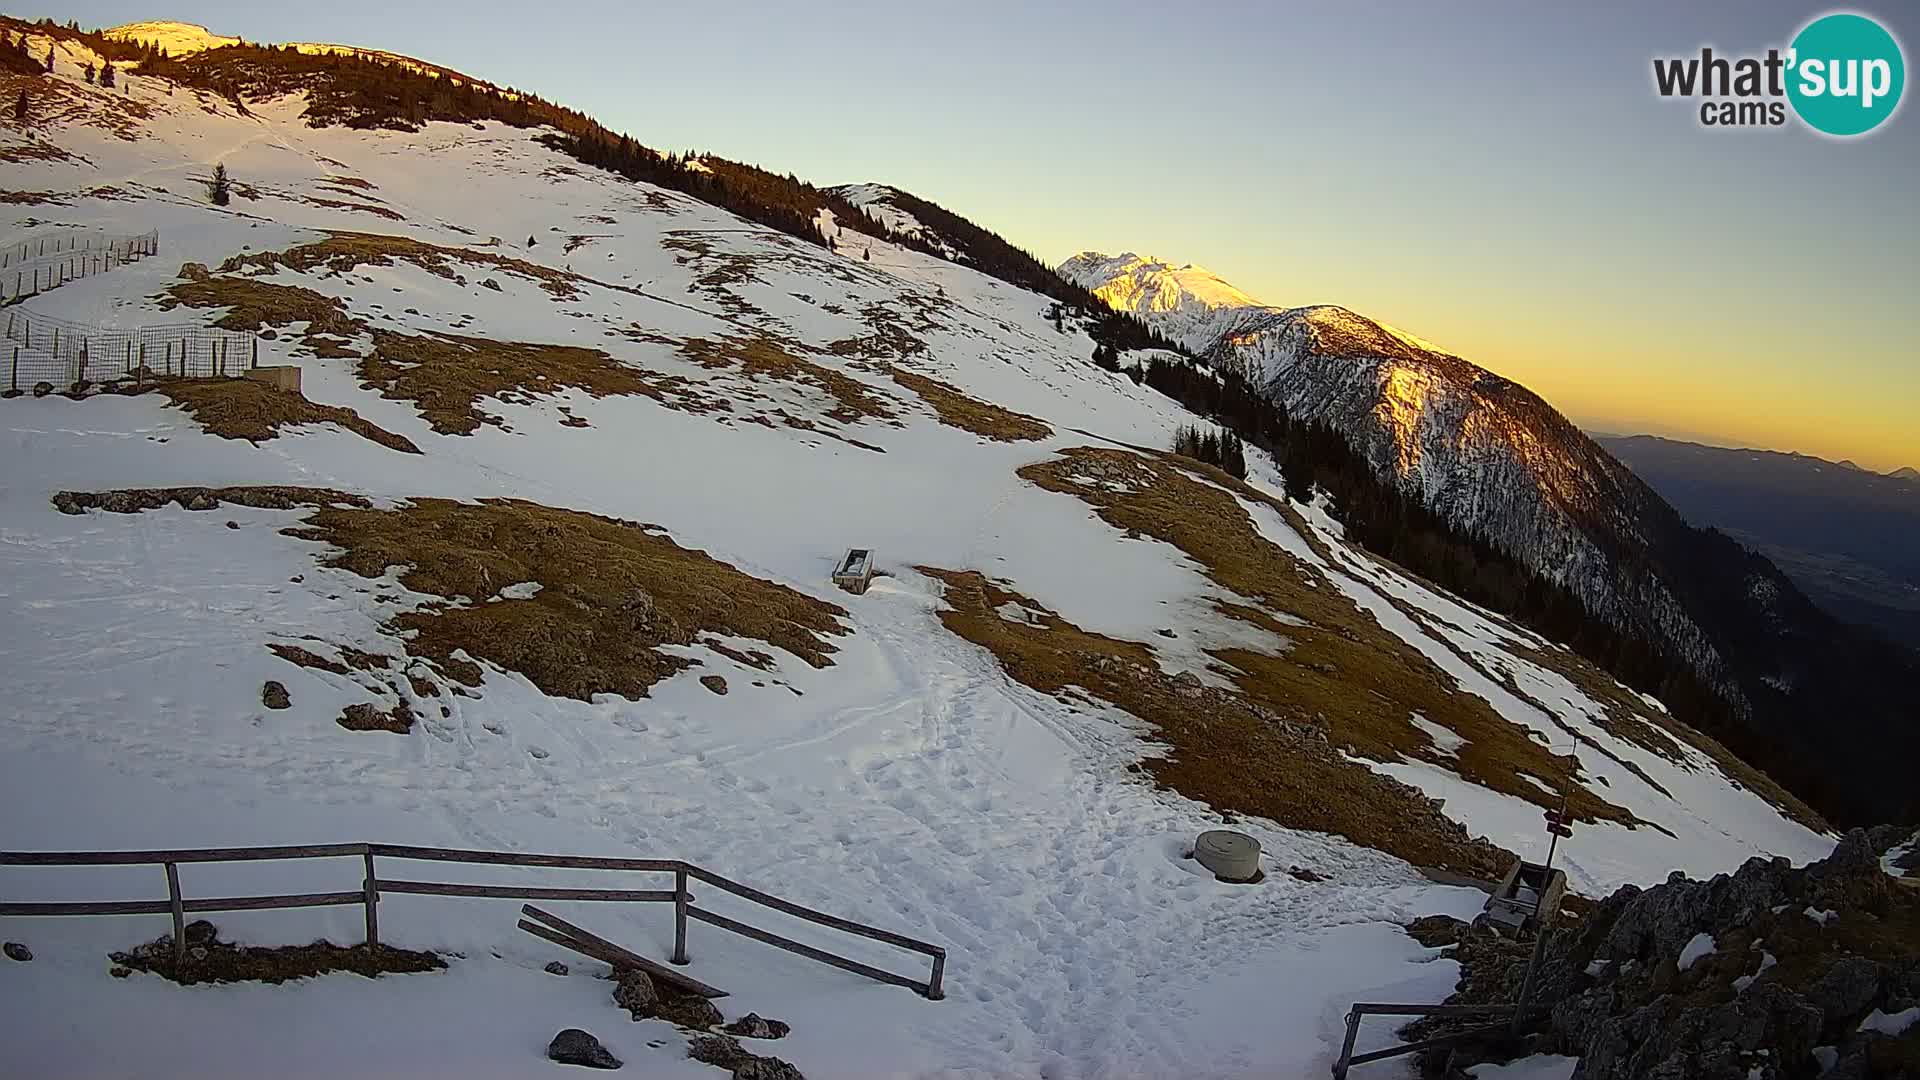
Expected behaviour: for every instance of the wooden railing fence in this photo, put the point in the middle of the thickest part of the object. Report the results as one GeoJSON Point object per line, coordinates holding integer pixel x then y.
{"type": "Point", "coordinates": [372, 885]}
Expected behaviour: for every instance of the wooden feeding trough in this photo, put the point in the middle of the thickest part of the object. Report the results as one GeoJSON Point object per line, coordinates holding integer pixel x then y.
{"type": "Point", "coordinates": [855, 571]}
{"type": "Point", "coordinates": [1528, 892]}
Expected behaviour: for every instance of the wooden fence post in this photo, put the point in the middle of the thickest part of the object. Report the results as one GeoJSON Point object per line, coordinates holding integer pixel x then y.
{"type": "Point", "coordinates": [256, 352]}
{"type": "Point", "coordinates": [680, 917]}
{"type": "Point", "coordinates": [372, 904]}
{"type": "Point", "coordinates": [179, 919]}
{"type": "Point", "coordinates": [14, 383]}
{"type": "Point", "coordinates": [934, 992]}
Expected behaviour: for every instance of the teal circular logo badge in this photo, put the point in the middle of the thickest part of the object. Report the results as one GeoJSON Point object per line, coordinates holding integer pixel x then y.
{"type": "Point", "coordinates": [1845, 74]}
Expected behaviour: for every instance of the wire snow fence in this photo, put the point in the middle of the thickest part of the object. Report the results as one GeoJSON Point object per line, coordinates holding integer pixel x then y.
{"type": "Point", "coordinates": [68, 355]}
{"type": "Point", "coordinates": [34, 265]}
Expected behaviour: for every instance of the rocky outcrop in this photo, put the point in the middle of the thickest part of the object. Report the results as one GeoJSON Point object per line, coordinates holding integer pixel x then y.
{"type": "Point", "coordinates": [576, 1047]}
{"type": "Point", "coordinates": [728, 1054]}
{"type": "Point", "coordinates": [1800, 962]}
{"type": "Point", "coordinates": [636, 992]}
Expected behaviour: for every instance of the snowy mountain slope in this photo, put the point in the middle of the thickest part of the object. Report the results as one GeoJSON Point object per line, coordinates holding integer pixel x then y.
{"type": "Point", "coordinates": [1498, 463]}
{"type": "Point", "coordinates": [877, 201]}
{"type": "Point", "coordinates": [769, 403]}
{"type": "Point", "coordinates": [182, 39]}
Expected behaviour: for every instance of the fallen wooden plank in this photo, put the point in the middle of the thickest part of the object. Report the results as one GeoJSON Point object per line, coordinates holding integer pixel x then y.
{"type": "Point", "coordinates": [798, 911]}
{"type": "Point", "coordinates": [807, 951]}
{"type": "Point", "coordinates": [606, 951]}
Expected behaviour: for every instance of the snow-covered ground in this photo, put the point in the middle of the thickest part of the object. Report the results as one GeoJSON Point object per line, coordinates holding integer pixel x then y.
{"type": "Point", "coordinates": [912, 784]}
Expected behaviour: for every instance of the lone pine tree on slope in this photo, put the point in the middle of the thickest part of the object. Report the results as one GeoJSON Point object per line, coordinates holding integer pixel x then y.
{"type": "Point", "coordinates": [219, 186]}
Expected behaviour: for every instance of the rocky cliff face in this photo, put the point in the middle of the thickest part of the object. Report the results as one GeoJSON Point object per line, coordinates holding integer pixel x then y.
{"type": "Point", "coordinates": [1769, 973]}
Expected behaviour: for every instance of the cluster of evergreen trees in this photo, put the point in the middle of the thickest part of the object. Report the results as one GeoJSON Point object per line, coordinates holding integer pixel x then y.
{"type": "Point", "coordinates": [1219, 448]}
{"type": "Point", "coordinates": [786, 202]}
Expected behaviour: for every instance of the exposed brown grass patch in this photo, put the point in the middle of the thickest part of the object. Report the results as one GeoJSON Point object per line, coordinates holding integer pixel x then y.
{"type": "Point", "coordinates": [32, 150]}
{"type": "Point", "coordinates": [1343, 669]}
{"type": "Point", "coordinates": [956, 409]}
{"type": "Point", "coordinates": [1226, 749]}
{"type": "Point", "coordinates": [1625, 715]}
{"type": "Point", "coordinates": [341, 252]}
{"type": "Point", "coordinates": [613, 592]}
{"type": "Point", "coordinates": [254, 411]}
{"type": "Point", "coordinates": [364, 716]}
{"type": "Point", "coordinates": [254, 305]}
{"type": "Point", "coordinates": [365, 208]}
{"type": "Point", "coordinates": [447, 375]}
{"type": "Point", "coordinates": [763, 357]}
{"type": "Point", "coordinates": [210, 960]}
{"type": "Point", "coordinates": [306, 658]}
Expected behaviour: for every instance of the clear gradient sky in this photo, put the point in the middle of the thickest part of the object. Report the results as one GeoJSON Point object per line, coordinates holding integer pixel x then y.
{"type": "Point", "coordinates": [1498, 178]}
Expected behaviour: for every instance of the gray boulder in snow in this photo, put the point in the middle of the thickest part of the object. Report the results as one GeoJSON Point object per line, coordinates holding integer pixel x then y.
{"type": "Point", "coordinates": [576, 1047]}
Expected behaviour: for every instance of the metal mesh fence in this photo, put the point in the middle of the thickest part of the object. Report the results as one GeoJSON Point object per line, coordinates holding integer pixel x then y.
{"type": "Point", "coordinates": [38, 263]}
{"type": "Point", "coordinates": [42, 349]}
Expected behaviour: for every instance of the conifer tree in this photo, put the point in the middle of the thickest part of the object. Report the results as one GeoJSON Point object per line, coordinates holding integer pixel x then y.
{"type": "Point", "coordinates": [49, 56]}
{"type": "Point", "coordinates": [20, 108]}
{"type": "Point", "coordinates": [219, 186]}
{"type": "Point", "coordinates": [89, 70]}
{"type": "Point", "coordinates": [106, 73]}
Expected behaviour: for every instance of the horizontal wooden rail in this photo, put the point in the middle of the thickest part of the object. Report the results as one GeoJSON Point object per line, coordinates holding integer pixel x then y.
{"type": "Point", "coordinates": [808, 951]}
{"type": "Point", "coordinates": [162, 907]}
{"type": "Point", "coordinates": [371, 886]}
{"type": "Point", "coordinates": [525, 892]}
{"type": "Point", "coordinates": [185, 855]}
{"type": "Point", "coordinates": [517, 858]}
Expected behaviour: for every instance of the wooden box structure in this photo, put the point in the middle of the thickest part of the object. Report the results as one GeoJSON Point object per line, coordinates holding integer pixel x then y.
{"type": "Point", "coordinates": [1529, 891]}
{"type": "Point", "coordinates": [855, 570]}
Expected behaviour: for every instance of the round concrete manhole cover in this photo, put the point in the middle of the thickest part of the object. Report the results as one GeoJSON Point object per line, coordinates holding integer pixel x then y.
{"type": "Point", "coordinates": [1232, 856]}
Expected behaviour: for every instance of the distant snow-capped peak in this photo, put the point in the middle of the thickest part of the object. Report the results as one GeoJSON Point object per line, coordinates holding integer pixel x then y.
{"type": "Point", "coordinates": [1144, 284]}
